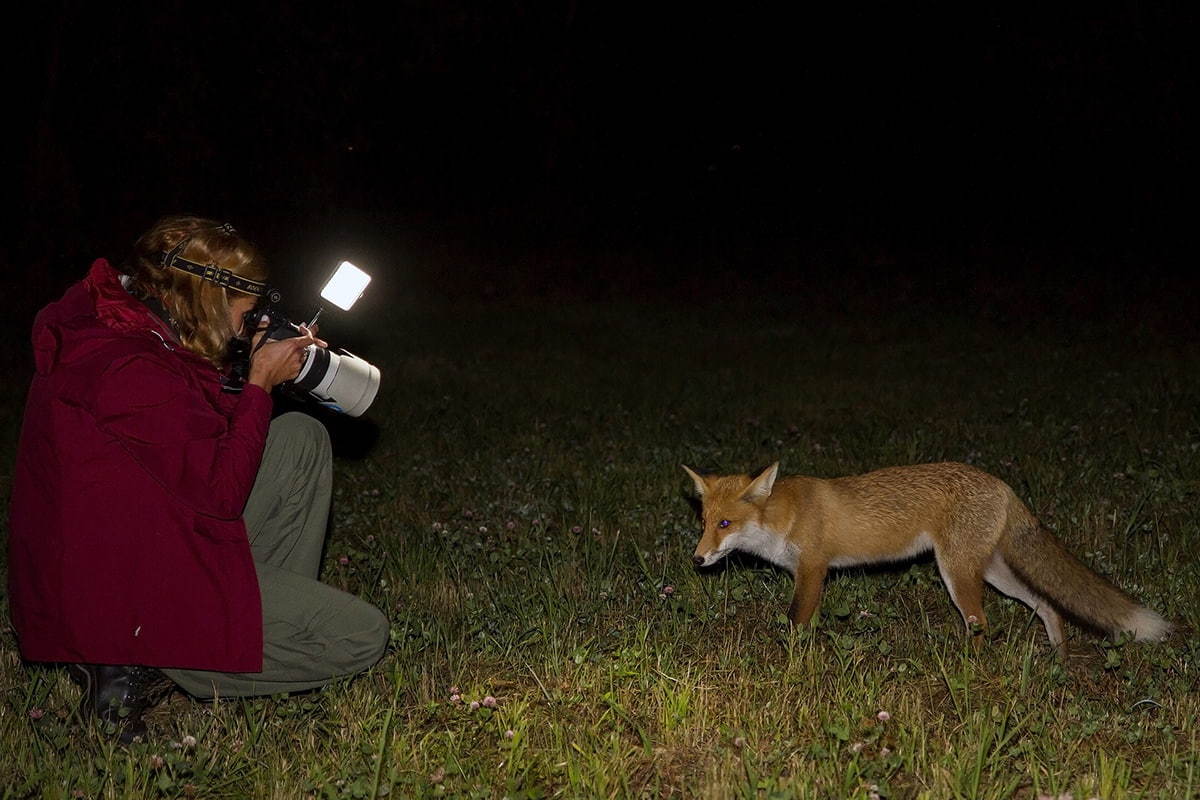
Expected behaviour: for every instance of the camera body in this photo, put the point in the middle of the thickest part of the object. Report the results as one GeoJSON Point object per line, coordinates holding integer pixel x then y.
{"type": "Point", "coordinates": [340, 380]}
{"type": "Point", "coordinates": [271, 322]}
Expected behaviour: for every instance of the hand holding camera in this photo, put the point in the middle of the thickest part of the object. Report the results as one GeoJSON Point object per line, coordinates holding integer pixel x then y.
{"type": "Point", "coordinates": [279, 360]}
{"type": "Point", "coordinates": [282, 352]}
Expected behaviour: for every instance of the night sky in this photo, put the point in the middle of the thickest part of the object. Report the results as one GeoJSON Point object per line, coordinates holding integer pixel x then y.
{"type": "Point", "coordinates": [591, 150]}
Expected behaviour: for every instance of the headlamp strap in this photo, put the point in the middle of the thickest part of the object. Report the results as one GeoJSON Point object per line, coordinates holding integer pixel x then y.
{"type": "Point", "coordinates": [210, 272]}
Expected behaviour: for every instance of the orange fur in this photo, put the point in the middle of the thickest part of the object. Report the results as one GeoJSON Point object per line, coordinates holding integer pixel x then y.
{"type": "Point", "coordinates": [978, 529]}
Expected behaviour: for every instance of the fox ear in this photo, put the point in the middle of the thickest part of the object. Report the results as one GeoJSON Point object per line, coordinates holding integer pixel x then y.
{"type": "Point", "coordinates": [701, 484]}
{"type": "Point", "coordinates": [760, 488]}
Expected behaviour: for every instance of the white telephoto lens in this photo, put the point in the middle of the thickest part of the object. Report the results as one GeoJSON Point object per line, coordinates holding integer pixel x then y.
{"type": "Point", "coordinates": [347, 383]}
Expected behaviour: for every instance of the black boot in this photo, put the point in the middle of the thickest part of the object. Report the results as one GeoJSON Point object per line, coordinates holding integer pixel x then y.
{"type": "Point", "coordinates": [119, 695]}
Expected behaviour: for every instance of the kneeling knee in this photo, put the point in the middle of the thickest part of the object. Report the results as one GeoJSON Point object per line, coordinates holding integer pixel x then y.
{"type": "Point", "coordinates": [366, 644]}
{"type": "Point", "coordinates": [300, 427]}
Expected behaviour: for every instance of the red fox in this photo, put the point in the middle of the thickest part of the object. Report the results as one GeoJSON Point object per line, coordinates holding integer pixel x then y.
{"type": "Point", "coordinates": [975, 525]}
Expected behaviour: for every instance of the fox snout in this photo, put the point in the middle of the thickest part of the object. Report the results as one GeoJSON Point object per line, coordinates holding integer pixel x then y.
{"type": "Point", "coordinates": [707, 555]}
{"type": "Point", "coordinates": [712, 547]}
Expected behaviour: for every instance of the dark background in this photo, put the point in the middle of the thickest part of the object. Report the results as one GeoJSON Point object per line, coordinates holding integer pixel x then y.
{"type": "Point", "coordinates": [1006, 162]}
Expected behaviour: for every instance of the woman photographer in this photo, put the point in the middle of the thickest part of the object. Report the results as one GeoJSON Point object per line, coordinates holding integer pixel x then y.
{"type": "Point", "coordinates": [161, 524]}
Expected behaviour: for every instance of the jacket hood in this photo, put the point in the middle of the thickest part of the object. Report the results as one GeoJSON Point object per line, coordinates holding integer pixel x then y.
{"type": "Point", "coordinates": [90, 315]}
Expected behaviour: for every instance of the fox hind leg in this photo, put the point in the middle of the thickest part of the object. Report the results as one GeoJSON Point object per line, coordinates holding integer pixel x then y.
{"type": "Point", "coordinates": [1005, 581]}
{"type": "Point", "coordinates": [966, 591]}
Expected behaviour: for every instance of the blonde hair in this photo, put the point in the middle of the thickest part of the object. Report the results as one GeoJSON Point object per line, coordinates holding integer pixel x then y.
{"type": "Point", "coordinates": [198, 309]}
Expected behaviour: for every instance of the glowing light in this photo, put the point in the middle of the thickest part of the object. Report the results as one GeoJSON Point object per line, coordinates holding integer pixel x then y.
{"type": "Point", "coordinates": [346, 285]}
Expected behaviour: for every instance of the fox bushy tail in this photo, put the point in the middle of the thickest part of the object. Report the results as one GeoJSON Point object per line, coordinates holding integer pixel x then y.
{"type": "Point", "coordinates": [1053, 572]}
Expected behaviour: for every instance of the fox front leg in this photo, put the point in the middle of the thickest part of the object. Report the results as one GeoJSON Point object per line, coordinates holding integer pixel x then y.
{"type": "Point", "coordinates": [810, 578]}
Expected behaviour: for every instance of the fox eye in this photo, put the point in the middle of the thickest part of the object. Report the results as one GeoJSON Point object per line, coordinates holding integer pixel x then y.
{"type": "Point", "coordinates": [723, 523]}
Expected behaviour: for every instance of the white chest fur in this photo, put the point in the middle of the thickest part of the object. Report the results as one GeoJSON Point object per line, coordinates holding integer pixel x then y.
{"type": "Point", "coordinates": [766, 545]}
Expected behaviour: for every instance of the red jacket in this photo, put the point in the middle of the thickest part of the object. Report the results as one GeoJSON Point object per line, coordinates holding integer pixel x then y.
{"type": "Point", "coordinates": [126, 540]}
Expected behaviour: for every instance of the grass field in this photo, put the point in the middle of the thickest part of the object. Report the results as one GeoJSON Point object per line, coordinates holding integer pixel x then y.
{"type": "Point", "coordinates": [523, 520]}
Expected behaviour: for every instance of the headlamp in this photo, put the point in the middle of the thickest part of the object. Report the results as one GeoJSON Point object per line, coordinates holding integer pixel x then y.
{"type": "Point", "coordinates": [211, 272]}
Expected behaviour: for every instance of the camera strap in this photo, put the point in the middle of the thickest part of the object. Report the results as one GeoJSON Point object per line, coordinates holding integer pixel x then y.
{"type": "Point", "coordinates": [239, 366]}
{"type": "Point", "coordinates": [241, 349]}
{"type": "Point", "coordinates": [159, 310]}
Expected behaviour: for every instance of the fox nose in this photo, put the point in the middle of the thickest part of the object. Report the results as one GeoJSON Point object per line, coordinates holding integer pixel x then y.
{"type": "Point", "coordinates": [698, 561]}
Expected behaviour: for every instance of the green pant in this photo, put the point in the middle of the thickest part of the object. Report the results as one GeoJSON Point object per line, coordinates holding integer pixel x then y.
{"type": "Point", "coordinates": [312, 632]}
